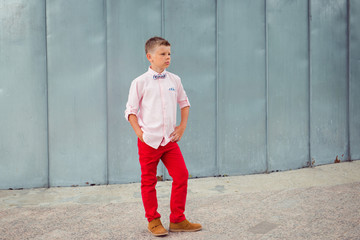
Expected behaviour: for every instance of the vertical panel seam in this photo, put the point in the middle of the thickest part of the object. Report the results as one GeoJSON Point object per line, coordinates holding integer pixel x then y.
{"type": "Point", "coordinates": [47, 98]}
{"type": "Point", "coordinates": [266, 89]}
{"type": "Point", "coordinates": [310, 164]}
{"type": "Point", "coordinates": [162, 18]}
{"type": "Point", "coordinates": [217, 153]}
{"type": "Point", "coordinates": [106, 92]}
{"type": "Point", "coordinates": [348, 80]}
{"type": "Point", "coordinates": [162, 25]}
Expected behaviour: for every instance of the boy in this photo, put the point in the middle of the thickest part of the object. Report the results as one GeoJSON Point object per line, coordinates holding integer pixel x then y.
{"type": "Point", "coordinates": [151, 111]}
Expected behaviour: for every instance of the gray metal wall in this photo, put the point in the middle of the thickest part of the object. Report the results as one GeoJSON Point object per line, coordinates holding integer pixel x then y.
{"type": "Point", "coordinates": [273, 84]}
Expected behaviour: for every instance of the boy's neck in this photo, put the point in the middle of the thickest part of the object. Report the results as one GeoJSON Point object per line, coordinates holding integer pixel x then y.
{"type": "Point", "coordinates": [158, 70]}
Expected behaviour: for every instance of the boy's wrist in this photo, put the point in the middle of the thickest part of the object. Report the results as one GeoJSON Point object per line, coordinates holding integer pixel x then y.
{"type": "Point", "coordinates": [139, 133]}
{"type": "Point", "coordinates": [182, 126]}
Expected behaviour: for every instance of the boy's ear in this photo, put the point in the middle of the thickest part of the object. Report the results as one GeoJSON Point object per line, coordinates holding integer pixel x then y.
{"type": "Point", "coordinates": [148, 56]}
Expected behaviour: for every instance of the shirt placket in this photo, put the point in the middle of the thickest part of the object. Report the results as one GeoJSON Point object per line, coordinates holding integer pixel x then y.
{"type": "Point", "coordinates": [163, 107]}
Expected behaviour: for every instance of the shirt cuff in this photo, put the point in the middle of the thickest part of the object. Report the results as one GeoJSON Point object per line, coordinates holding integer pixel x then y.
{"type": "Point", "coordinates": [128, 112]}
{"type": "Point", "coordinates": [184, 103]}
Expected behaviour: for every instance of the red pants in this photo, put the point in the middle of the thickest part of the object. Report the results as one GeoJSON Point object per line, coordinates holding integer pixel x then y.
{"type": "Point", "coordinates": [173, 160]}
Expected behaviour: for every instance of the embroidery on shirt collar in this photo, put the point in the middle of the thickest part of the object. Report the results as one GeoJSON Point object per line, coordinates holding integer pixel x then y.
{"type": "Point", "coordinates": [159, 76]}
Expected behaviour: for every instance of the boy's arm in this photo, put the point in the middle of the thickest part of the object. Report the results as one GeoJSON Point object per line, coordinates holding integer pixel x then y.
{"type": "Point", "coordinates": [179, 130]}
{"type": "Point", "coordinates": [135, 125]}
{"type": "Point", "coordinates": [132, 107]}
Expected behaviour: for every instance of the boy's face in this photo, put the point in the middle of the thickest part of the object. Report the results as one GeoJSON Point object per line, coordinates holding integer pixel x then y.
{"type": "Point", "coordinates": [159, 58]}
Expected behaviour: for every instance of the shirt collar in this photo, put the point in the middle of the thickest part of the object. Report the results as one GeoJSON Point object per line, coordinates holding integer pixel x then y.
{"type": "Point", "coordinates": [152, 72]}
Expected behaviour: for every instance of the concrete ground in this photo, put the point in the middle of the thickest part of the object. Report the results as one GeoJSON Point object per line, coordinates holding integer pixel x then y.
{"type": "Point", "coordinates": [311, 203]}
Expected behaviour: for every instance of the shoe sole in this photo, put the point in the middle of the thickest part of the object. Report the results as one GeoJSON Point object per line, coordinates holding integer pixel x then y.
{"type": "Point", "coordinates": [158, 235]}
{"type": "Point", "coordinates": [184, 230]}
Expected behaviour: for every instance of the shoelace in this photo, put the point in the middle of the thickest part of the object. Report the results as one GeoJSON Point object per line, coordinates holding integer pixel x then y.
{"type": "Point", "coordinates": [156, 226]}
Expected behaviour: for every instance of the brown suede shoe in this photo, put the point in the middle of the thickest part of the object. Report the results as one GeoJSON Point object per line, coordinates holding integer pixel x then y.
{"type": "Point", "coordinates": [184, 226]}
{"type": "Point", "coordinates": [156, 228]}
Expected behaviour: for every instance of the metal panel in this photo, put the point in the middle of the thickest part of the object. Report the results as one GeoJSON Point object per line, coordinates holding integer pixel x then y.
{"type": "Point", "coordinates": [242, 109]}
{"type": "Point", "coordinates": [354, 79]}
{"type": "Point", "coordinates": [241, 92]}
{"type": "Point", "coordinates": [288, 84]}
{"type": "Point", "coordinates": [23, 121]}
{"type": "Point", "coordinates": [328, 53]}
{"type": "Point", "coordinates": [190, 28]}
{"type": "Point", "coordinates": [130, 24]}
{"type": "Point", "coordinates": [77, 92]}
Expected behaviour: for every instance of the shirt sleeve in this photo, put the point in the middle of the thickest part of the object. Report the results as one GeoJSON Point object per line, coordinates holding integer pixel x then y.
{"type": "Point", "coordinates": [132, 105]}
{"type": "Point", "coordinates": [182, 98]}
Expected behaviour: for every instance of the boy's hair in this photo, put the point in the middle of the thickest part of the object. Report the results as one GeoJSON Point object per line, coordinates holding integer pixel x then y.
{"type": "Point", "coordinates": [154, 42]}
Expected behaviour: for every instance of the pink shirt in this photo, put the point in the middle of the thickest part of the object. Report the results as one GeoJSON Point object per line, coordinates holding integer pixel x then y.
{"type": "Point", "coordinates": [153, 98]}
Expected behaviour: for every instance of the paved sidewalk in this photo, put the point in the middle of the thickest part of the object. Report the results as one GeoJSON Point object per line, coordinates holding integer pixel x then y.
{"type": "Point", "coordinates": [311, 203]}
